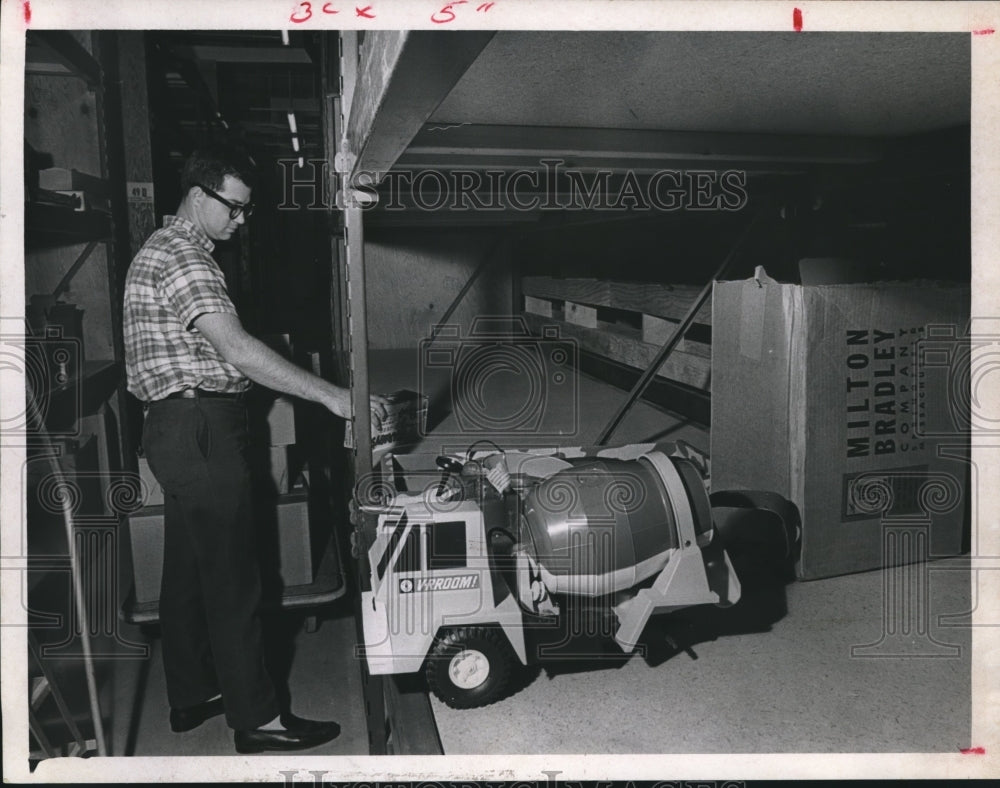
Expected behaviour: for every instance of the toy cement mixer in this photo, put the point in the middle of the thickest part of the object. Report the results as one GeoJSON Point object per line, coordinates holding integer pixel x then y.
{"type": "Point", "coordinates": [464, 558]}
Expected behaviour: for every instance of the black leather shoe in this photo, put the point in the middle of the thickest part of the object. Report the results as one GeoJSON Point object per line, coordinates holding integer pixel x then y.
{"type": "Point", "coordinates": [187, 719]}
{"type": "Point", "coordinates": [296, 734]}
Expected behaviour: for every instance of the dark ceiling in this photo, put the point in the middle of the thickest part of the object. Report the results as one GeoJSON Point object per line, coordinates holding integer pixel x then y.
{"type": "Point", "coordinates": [844, 83]}
{"type": "Point", "coordinates": [237, 86]}
{"type": "Point", "coordinates": [242, 85]}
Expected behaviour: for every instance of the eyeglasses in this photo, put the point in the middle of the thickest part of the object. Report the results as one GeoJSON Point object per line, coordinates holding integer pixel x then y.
{"type": "Point", "coordinates": [235, 208]}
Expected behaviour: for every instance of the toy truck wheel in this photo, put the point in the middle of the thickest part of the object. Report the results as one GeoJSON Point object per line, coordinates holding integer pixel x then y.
{"type": "Point", "coordinates": [470, 667]}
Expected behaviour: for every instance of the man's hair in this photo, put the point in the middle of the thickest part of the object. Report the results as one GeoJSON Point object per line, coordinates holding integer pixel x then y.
{"type": "Point", "coordinates": [210, 166]}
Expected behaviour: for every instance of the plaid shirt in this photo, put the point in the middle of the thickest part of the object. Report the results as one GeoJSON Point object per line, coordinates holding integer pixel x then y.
{"type": "Point", "coordinates": [172, 281]}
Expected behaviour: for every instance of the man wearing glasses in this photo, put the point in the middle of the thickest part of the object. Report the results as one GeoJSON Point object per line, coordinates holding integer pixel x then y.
{"type": "Point", "coordinates": [189, 360]}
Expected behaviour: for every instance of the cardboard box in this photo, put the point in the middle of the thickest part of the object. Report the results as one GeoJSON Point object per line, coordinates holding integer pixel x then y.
{"type": "Point", "coordinates": [295, 555]}
{"type": "Point", "coordinates": [145, 531]}
{"type": "Point", "coordinates": [820, 394]}
{"type": "Point", "coordinates": [152, 492]}
{"type": "Point", "coordinates": [403, 426]}
{"type": "Point", "coordinates": [281, 423]}
{"type": "Point", "coordinates": [276, 470]}
{"type": "Point", "coordinates": [62, 179]}
{"type": "Point", "coordinates": [278, 465]}
{"type": "Point", "coordinates": [287, 530]}
{"type": "Point", "coordinates": [285, 467]}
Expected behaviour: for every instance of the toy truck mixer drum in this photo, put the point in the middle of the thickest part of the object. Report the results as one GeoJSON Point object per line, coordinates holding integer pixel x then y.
{"type": "Point", "coordinates": [605, 525]}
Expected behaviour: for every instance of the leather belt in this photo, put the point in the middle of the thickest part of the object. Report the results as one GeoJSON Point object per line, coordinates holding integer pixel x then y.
{"type": "Point", "coordinates": [237, 396]}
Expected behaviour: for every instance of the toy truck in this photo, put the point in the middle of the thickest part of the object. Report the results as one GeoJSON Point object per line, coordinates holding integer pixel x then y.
{"type": "Point", "coordinates": [465, 557]}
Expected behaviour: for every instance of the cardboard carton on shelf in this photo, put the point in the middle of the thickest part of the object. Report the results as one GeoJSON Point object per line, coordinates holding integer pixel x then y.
{"type": "Point", "coordinates": [281, 467]}
{"type": "Point", "coordinates": [152, 492]}
{"type": "Point", "coordinates": [281, 422]}
{"type": "Point", "coordinates": [145, 532]}
{"type": "Point", "coordinates": [61, 179]}
{"type": "Point", "coordinates": [824, 394]}
{"type": "Point", "coordinates": [296, 558]}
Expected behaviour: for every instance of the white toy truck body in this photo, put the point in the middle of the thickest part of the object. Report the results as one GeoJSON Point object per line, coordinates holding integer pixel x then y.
{"type": "Point", "coordinates": [460, 563]}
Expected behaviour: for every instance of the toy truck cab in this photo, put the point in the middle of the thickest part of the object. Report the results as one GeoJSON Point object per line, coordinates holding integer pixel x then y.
{"type": "Point", "coordinates": [437, 599]}
{"type": "Point", "coordinates": [431, 569]}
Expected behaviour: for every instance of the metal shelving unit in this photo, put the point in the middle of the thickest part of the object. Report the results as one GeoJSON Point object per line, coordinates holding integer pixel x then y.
{"type": "Point", "coordinates": [388, 88]}
{"type": "Point", "coordinates": [78, 399]}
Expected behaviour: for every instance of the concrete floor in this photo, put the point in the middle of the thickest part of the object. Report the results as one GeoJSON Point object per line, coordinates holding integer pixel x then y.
{"type": "Point", "coordinates": [785, 670]}
{"type": "Point", "coordinates": [324, 682]}
{"type": "Point", "coordinates": [775, 673]}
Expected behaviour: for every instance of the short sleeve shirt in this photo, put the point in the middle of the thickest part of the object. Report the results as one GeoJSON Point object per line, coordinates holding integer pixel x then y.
{"type": "Point", "coordinates": [172, 281]}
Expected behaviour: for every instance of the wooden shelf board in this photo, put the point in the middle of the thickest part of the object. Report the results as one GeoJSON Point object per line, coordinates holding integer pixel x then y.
{"type": "Point", "coordinates": [659, 300]}
{"type": "Point", "coordinates": [622, 346]}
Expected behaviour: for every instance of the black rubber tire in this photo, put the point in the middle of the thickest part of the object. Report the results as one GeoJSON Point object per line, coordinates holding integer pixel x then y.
{"type": "Point", "coordinates": [492, 644]}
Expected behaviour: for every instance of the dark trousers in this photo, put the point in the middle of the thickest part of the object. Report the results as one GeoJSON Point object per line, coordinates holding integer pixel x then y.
{"type": "Point", "coordinates": [210, 595]}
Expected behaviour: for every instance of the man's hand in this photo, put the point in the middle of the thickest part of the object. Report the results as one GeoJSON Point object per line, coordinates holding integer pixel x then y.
{"type": "Point", "coordinates": [338, 402]}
